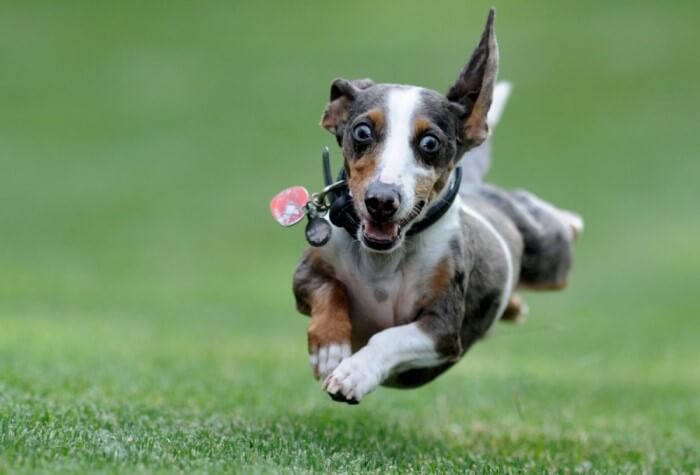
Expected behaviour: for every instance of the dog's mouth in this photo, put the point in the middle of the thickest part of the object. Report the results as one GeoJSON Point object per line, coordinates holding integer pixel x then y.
{"type": "Point", "coordinates": [385, 236]}
{"type": "Point", "coordinates": [380, 236]}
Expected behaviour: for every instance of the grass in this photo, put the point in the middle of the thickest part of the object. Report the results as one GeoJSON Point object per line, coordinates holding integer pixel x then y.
{"type": "Point", "coordinates": [146, 318]}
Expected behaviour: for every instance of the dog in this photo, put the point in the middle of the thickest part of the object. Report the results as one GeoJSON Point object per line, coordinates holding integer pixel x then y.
{"type": "Point", "coordinates": [437, 254]}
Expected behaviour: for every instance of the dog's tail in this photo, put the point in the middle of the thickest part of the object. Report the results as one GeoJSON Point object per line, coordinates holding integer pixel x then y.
{"type": "Point", "coordinates": [477, 161]}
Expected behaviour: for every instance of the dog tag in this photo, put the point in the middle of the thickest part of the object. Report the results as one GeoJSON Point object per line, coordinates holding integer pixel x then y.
{"type": "Point", "coordinates": [287, 207]}
{"type": "Point", "coordinates": [318, 230]}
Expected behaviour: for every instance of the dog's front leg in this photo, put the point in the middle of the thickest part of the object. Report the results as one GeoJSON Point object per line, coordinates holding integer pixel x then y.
{"type": "Point", "coordinates": [321, 296]}
{"type": "Point", "coordinates": [433, 339]}
{"type": "Point", "coordinates": [329, 328]}
{"type": "Point", "coordinates": [392, 350]}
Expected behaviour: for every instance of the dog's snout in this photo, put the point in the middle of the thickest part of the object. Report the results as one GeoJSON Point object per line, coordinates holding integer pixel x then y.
{"type": "Point", "coordinates": [382, 201]}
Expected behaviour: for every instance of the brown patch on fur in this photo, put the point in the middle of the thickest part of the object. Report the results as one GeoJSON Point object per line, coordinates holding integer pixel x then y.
{"type": "Point", "coordinates": [474, 86]}
{"type": "Point", "coordinates": [428, 188]}
{"type": "Point", "coordinates": [330, 316]}
{"type": "Point", "coordinates": [441, 277]}
{"type": "Point", "coordinates": [319, 294]}
{"type": "Point", "coordinates": [424, 189]}
{"type": "Point", "coordinates": [441, 182]}
{"type": "Point", "coordinates": [439, 281]}
{"type": "Point", "coordinates": [360, 173]}
{"type": "Point", "coordinates": [476, 130]}
{"type": "Point", "coordinates": [515, 311]}
{"type": "Point", "coordinates": [420, 125]}
{"type": "Point", "coordinates": [377, 118]}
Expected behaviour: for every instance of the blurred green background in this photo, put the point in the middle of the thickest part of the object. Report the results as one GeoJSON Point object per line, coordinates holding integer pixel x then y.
{"type": "Point", "coordinates": [146, 316]}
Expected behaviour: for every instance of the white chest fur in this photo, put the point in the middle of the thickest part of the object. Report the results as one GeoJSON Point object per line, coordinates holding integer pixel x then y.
{"type": "Point", "coordinates": [384, 288]}
{"type": "Point", "coordinates": [380, 300]}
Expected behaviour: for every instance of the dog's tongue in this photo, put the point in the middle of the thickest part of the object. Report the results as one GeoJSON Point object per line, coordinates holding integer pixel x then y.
{"type": "Point", "coordinates": [381, 231]}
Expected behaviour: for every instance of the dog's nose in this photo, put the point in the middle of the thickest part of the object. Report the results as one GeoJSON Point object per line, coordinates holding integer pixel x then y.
{"type": "Point", "coordinates": [382, 201]}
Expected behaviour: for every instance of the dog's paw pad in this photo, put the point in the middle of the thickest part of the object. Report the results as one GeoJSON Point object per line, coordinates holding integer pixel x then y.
{"type": "Point", "coordinates": [326, 358]}
{"type": "Point", "coordinates": [340, 398]}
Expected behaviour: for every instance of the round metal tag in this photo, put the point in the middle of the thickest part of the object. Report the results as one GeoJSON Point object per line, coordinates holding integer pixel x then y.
{"type": "Point", "coordinates": [318, 231]}
{"type": "Point", "coordinates": [287, 207]}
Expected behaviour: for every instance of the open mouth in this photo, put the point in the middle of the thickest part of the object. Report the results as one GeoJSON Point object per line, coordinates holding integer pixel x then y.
{"type": "Point", "coordinates": [384, 236]}
{"type": "Point", "coordinates": [380, 236]}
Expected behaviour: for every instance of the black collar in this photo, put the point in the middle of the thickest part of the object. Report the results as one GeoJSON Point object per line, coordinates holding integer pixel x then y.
{"type": "Point", "coordinates": [342, 210]}
{"type": "Point", "coordinates": [438, 210]}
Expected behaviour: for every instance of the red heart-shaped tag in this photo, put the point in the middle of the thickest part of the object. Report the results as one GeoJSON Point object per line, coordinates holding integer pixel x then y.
{"type": "Point", "coordinates": [287, 207]}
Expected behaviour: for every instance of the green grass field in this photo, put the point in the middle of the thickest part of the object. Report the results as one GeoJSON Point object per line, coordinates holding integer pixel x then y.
{"type": "Point", "coordinates": [146, 317]}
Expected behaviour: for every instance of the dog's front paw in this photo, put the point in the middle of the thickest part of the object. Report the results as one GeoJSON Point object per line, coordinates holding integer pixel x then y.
{"type": "Point", "coordinates": [352, 380]}
{"type": "Point", "coordinates": [326, 358]}
{"type": "Point", "coordinates": [329, 343]}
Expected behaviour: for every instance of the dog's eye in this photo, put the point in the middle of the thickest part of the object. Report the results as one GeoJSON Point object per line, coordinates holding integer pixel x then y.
{"type": "Point", "coordinates": [429, 144]}
{"type": "Point", "coordinates": [362, 133]}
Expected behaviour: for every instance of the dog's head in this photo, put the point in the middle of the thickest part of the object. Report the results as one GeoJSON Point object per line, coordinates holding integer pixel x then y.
{"type": "Point", "coordinates": [400, 143]}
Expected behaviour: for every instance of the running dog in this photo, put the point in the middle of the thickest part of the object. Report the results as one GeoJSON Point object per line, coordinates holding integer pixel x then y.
{"type": "Point", "coordinates": [436, 254]}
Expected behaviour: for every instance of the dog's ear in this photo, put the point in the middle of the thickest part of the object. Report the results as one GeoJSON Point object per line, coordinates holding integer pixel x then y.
{"type": "Point", "coordinates": [343, 92]}
{"type": "Point", "coordinates": [473, 89]}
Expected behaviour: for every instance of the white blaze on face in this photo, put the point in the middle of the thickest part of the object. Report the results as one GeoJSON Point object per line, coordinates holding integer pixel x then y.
{"type": "Point", "coordinates": [397, 164]}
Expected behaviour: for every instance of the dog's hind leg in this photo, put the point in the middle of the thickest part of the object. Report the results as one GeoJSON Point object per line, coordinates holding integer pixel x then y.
{"type": "Point", "coordinates": [516, 310]}
{"type": "Point", "coordinates": [537, 206]}
{"type": "Point", "coordinates": [549, 234]}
